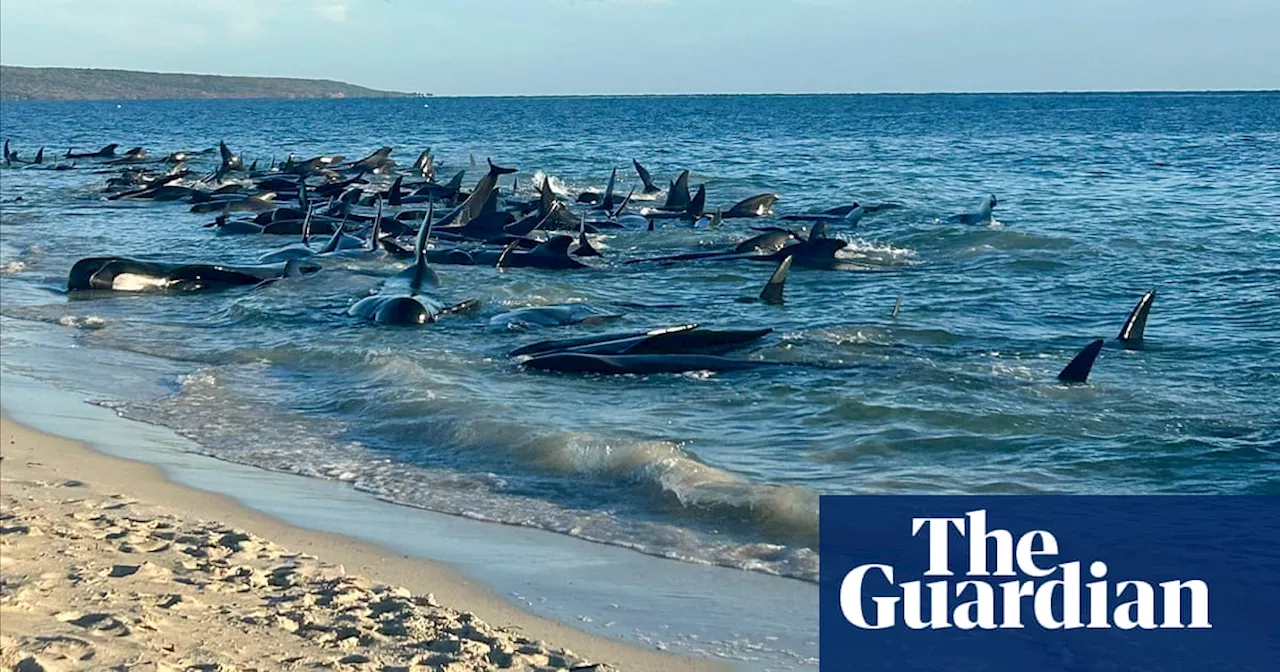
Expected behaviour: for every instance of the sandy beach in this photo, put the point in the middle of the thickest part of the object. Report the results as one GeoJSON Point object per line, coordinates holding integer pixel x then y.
{"type": "Point", "coordinates": [108, 565]}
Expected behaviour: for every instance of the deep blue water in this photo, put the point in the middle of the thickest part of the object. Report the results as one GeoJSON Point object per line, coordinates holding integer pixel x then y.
{"type": "Point", "coordinates": [1102, 197]}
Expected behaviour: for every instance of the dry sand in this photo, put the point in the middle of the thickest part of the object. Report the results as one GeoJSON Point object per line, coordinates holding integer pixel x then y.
{"type": "Point", "coordinates": [104, 564]}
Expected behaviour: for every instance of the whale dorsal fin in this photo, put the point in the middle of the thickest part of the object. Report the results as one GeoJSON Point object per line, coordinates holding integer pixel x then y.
{"type": "Point", "coordinates": [772, 293]}
{"type": "Point", "coordinates": [424, 234]}
{"type": "Point", "coordinates": [332, 245]}
{"type": "Point", "coordinates": [394, 195]}
{"type": "Point", "coordinates": [546, 197]}
{"type": "Point", "coordinates": [897, 306]}
{"type": "Point", "coordinates": [606, 202]}
{"type": "Point", "coordinates": [678, 194]}
{"type": "Point", "coordinates": [854, 215]}
{"type": "Point", "coordinates": [1078, 370]}
{"type": "Point", "coordinates": [1136, 326]}
{"type": "Point", "coordinates": [697, 204]}
{"type": "Point", "coordinates": [423, 273]}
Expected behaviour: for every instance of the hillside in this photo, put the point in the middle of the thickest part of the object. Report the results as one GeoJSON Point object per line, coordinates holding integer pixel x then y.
{"type": "Point", "coordinates": [21, 83]}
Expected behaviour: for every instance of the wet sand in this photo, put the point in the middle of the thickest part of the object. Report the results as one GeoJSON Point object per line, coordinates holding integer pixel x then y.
{"type": "Point", "coordinates": [105, 562]}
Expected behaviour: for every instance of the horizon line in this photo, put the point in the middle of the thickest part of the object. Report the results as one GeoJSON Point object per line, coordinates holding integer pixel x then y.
{"type": "Point", "coordinates": [743, 94]}
{"type": "Point", "coordinates": [1047, 91]}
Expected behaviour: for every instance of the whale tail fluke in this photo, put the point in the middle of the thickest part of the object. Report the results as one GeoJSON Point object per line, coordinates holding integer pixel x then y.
{"type": "Point", "coordinates": [613, 216]}
{"type": "Point", "coordinates": [772, 293]}
{"type": "Point", "coordinates": [1078, 370]}
{"type": "Point", "coordinates": [499, 170]}
{"type": "Point", "coordinates": [1135, 327]}
{"type": "Point", "coordinates": [697, 205]}
{"type": "Point", "coordinates": [646, 178]}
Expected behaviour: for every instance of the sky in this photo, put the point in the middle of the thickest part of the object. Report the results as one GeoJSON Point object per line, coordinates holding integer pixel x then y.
{"type": "Point", "coordinates": [558, 47]}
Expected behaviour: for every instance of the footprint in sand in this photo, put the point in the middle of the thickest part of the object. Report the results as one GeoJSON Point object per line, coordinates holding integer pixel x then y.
{"type": "Point", "coordinates": [96, 622]}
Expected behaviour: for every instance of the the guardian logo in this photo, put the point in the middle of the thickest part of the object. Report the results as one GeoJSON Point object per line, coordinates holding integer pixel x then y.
{"type": "Point", "coordinates": [1022, 579]}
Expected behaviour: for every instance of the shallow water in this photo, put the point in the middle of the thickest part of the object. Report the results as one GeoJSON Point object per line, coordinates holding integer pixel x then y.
{"type": "Point", "coordinates": [1102, 197]}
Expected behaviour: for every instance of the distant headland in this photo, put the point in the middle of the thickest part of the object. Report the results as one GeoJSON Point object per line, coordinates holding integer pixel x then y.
{"type": "Point", "coordinates": [22, 83]}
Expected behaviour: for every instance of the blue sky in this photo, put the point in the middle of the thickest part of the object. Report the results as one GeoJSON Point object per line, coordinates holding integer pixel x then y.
{"type": "Point", "coordinates": [522, 47]}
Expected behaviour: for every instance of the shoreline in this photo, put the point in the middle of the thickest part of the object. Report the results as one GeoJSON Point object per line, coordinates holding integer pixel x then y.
{"type": "Point", "coordinates": [35, 463]}
{"type": "Point", "coordinates": [749, 620]}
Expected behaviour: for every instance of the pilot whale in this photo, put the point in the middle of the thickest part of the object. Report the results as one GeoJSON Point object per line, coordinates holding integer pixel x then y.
{"type": "Point", "coordinates": [756, 206]}
{"type": "Point", "coordinates": [130, 275]}
{"type": "Point", "coordinates": [106, 152]}
{"type": "Point", "coordinates": [400, 300]}
{"type": "Point", "coordinates": [475, 204]}
{"type": "Point", "coordinates": [688, 339]}
{"type": "Point", "coordinates": [847, 216]}
{"type": "Point", "coordinates": [576, 362]}
{"type": "Point", "coordinates": [550, 316]}
{"type": "Point", "coordinates": [981, 216]}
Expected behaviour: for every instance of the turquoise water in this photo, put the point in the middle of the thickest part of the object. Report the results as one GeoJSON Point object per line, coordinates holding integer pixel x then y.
{"type": "Point", "coordinates": [1102, 197]}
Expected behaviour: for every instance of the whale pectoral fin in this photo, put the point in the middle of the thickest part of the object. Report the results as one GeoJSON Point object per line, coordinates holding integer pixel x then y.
{"type": "Point", "coordinates": [772, 293]}
{"type": "Point", "coordinates": [502, 258]}
{"type": "Point", "coordinates": [1135, 326]}
{"type": "Point", "coordinates": [470, 305]}
{"type": "Point", "coordinates": [1078, 370]}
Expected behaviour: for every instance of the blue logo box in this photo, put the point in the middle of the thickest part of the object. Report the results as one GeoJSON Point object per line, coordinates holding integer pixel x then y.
{"type": "Point", "coordinates": [1050, 583]}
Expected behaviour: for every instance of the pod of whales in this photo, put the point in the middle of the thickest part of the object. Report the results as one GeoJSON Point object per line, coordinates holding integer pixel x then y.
{"type": "Point", "coordinates": [367, 208]}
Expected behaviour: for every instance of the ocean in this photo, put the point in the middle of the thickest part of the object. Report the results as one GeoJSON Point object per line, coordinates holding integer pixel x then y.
{"type": "Point", "coordinates": [1102, 197]}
